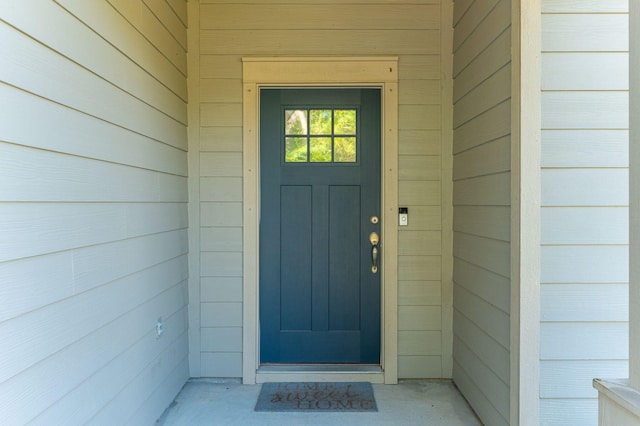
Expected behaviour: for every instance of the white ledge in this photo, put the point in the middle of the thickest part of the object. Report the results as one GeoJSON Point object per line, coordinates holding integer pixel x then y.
{"type": "Point", "coordinates": [620, 392]}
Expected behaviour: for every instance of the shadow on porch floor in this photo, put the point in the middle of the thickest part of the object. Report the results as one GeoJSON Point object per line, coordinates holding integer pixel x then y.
{"type": "Point", "coordinates": [215, 402]}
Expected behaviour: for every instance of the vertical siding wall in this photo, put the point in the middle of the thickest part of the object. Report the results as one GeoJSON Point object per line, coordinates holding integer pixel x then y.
{"type": "Point", "coordinates": [584, 273]}
{"type": "Point", "coordinates": [93, 210]}
{"type": "Point", "coordinates": [229, 31]}
{"type": "Point", "coordinates": [481, 197]}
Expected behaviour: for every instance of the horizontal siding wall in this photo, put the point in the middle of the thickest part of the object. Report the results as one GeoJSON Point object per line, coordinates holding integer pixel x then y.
{"type": "Point", "coordinates": [584, 270]}
{"type": "Point", "coordinates": [408, 29]}
{"type": "Point", "coordinates": [93, 214]}
{"type": "Point", "coordinates": [481, 205]}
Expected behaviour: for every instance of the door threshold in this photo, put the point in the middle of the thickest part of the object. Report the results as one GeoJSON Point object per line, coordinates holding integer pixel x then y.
{"type": "Point", "coordinates": [320, 368]}
{"type": "Point", "coordinates": [319, 373]}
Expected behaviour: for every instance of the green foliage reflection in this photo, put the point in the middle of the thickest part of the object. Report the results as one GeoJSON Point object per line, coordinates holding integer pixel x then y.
{"type": "Point", "coordinates": [295, 122]}
{"type": "Point", "coordinates": [344, 150]}
{"type": "Point", "coordinates": [344, 122]}
{"type": "Point", "coordinates": [296, 150]}
{"type": "Point", "coordinates": [320, 121]}
{"type": "Point", "coordinates": [320, 150]}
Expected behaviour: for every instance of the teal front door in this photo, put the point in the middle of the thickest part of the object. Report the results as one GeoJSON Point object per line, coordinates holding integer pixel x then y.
{"type": "Point", "coordinates": [320, 210]}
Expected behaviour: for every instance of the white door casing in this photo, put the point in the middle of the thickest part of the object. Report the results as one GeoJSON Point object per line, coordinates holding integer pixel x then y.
{"type": "Point", "coordinates": [379, 72]}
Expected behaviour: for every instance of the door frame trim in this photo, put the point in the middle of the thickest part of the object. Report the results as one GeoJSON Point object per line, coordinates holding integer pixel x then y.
{"type": "Point", "coordinates": [381, 72]}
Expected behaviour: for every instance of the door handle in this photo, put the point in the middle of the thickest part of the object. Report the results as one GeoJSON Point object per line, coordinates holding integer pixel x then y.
{"type": "Point", "coordinates": [374, 239]}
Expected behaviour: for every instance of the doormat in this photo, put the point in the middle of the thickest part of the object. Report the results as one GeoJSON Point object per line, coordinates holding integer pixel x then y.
{"type": "Point", "coordinates": [317, 396]}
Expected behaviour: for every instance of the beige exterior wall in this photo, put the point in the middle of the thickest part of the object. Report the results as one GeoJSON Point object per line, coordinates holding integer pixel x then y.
{"type": "Point", "coordinates": [93, 216]}
{"type": "Point", "coordinates": [228, 31]}
{"type": "Point", "coordinates": [584, 253]}
{"type": "Point", "coordinates": [481, 205]}
{"type": "Point", "coordinates": [94, 193]}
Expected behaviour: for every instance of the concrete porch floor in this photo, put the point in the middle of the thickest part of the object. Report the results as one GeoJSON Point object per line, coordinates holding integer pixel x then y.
{"type": "Point", "coordinates": [217, 402]}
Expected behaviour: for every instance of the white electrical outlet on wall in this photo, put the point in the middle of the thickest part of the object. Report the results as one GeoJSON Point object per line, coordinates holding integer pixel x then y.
{"type": "Point", "coordinates": [159, 327]}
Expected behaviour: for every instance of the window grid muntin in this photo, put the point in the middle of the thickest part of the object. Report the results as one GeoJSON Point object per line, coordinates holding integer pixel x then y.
{"type": "Point", "coordinates": [308, 134]}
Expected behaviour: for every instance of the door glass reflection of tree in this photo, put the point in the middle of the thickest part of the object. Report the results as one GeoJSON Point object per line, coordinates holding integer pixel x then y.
{"type": "Point", "coordinates": [320, 135]}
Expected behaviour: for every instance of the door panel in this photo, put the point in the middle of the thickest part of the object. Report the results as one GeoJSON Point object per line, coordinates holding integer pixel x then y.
{"type": "Point", "coordinates": [295, 284]}
{"type": "Point", "coordinates": [320, 184]}
{"type": "Point", "coordinates": [344, 258]}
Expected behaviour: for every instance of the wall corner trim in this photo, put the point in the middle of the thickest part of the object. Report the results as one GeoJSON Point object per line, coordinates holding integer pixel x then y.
{"type": "Point", "coordinates": [526, 123]}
